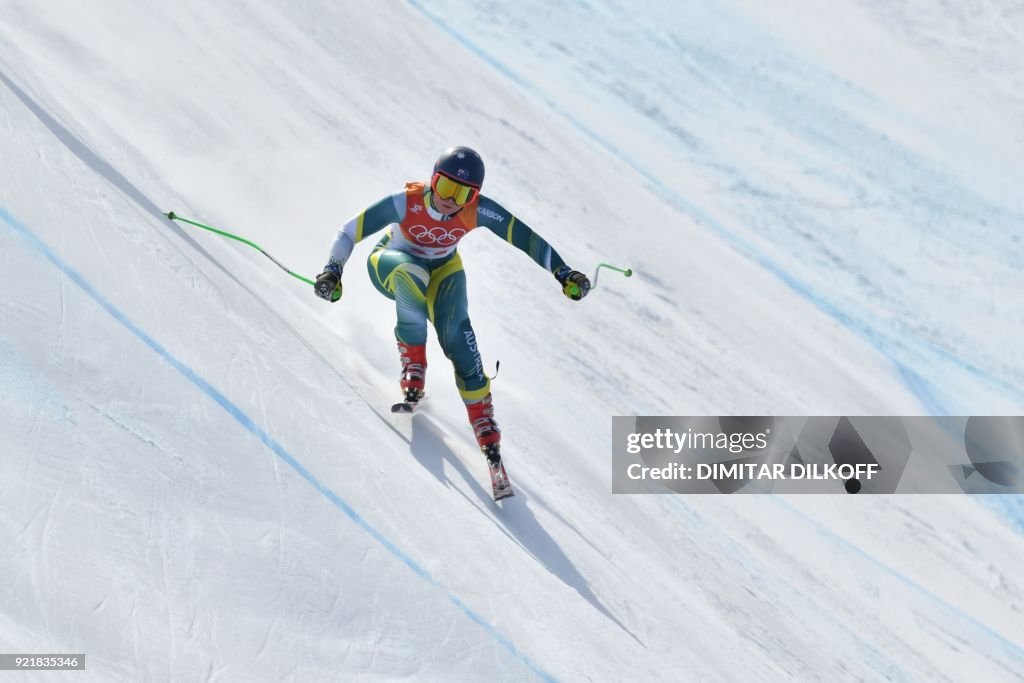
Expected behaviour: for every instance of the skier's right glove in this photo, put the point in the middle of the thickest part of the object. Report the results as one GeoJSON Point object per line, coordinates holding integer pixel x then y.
{"type": "Point", "coordinates": [328, 283]}
{"type": "Point", "coordinates": [575, 284]}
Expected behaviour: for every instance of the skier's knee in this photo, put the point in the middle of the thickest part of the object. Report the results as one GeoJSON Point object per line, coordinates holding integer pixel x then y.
{"type": "Point", "coordinates": [414, 274]}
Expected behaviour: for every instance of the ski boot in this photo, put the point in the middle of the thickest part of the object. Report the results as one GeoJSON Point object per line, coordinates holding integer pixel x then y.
{"type": "Point", "coordinates": [414, 377]}
{"type": "Point", "coordinates": [488, 437]}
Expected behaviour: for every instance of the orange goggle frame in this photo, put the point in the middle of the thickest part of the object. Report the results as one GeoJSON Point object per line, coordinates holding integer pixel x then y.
{"type": "Point", "coordinates": [446, 188]}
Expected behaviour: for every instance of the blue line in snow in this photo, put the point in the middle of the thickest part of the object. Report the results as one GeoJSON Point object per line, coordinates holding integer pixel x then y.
{"type": "Point", "coordinates": [279, 450]}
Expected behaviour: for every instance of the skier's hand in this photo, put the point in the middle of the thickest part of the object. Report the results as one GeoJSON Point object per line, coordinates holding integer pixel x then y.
{"type": "Point", "coordinates": [575, 284]}
{"type": "Point", "coordinates": [328, 284]}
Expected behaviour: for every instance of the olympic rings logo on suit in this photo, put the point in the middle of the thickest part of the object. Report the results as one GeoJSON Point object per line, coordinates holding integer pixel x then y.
{"type": "Point", "coordinates": [438, 235]}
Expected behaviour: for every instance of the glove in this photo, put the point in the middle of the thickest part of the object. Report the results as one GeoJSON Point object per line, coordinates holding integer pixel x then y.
{"type": "Point", "coordinates": [328, 283]}
{"type": "Point", "coordinates": [575, 284]}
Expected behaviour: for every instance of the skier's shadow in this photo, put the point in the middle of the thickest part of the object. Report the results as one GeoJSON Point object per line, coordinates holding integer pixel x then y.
{"type": "Point", "coordinates": [428, 447]}
{"type": "Point", "coordinates": [519, 523]}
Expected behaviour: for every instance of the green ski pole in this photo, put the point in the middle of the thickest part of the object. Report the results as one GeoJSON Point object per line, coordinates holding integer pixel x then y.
{"type": "Point", "coordinates": [175, 217]}
{"type": "Point", "coordinates": [574, 290]}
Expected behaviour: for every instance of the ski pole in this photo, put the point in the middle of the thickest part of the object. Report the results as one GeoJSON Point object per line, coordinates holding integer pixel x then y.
{"type": "Point", "coordinates": [574, 289]}
{"type": "Point", "coordinates": [628, 272]}
{"type": "Point", "coordinates": [175, 217]}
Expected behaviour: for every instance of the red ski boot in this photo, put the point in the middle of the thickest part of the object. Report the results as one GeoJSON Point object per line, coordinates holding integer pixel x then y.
{"type": "Point", "coordinates": [414, 371]}
{"type": "Point", "coordinates": [488, 436]}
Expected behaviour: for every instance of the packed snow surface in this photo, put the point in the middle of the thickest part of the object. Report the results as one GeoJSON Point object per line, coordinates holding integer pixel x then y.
{"type": "Point", "coordinates": [199, 476]}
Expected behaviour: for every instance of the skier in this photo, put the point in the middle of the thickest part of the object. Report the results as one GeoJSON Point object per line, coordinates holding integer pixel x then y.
{"type": "Point", "coordinates": [417, 264]}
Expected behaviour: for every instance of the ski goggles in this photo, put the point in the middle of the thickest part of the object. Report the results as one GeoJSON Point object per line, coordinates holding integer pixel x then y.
{"type": "Point", "coordinates": [446, 188]}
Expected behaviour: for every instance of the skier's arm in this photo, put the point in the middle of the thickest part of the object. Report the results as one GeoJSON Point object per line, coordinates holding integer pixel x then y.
{"type": "Point", "coordinates": [374, 219]}
{"type": "Point", "coordinates": [502, 223]}
{"type": "Point", "coordinates": [495, 218]}
{"type": "Point", "coordinates": [385, 212]}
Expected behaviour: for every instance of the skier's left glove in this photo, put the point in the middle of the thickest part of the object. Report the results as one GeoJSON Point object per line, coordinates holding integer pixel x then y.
{"type": "Point", "coordinates": [575, 284]}
{"type": "Point", "coordinates": [328, 283]}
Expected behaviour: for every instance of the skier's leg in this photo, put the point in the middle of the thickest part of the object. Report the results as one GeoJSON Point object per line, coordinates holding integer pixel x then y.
{"type": "Point", "coordinates": [404, 278]}
{"type": "Point", "coordinates": [448, 307]}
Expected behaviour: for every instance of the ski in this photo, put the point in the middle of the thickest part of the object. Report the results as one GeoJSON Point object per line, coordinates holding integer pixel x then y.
{"type": "Point", "coordinates": [408, 407]}
{"type": "Point", "coordinates": [501, 487]}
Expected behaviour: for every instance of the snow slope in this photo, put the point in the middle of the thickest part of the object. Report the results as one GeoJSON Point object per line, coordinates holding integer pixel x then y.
{"type": "Point", "coordinates": [198, 480]}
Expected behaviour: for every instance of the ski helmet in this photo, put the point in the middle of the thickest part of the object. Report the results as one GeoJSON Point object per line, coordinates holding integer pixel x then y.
{"type": "Point", "coordinates": [462, 165]}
